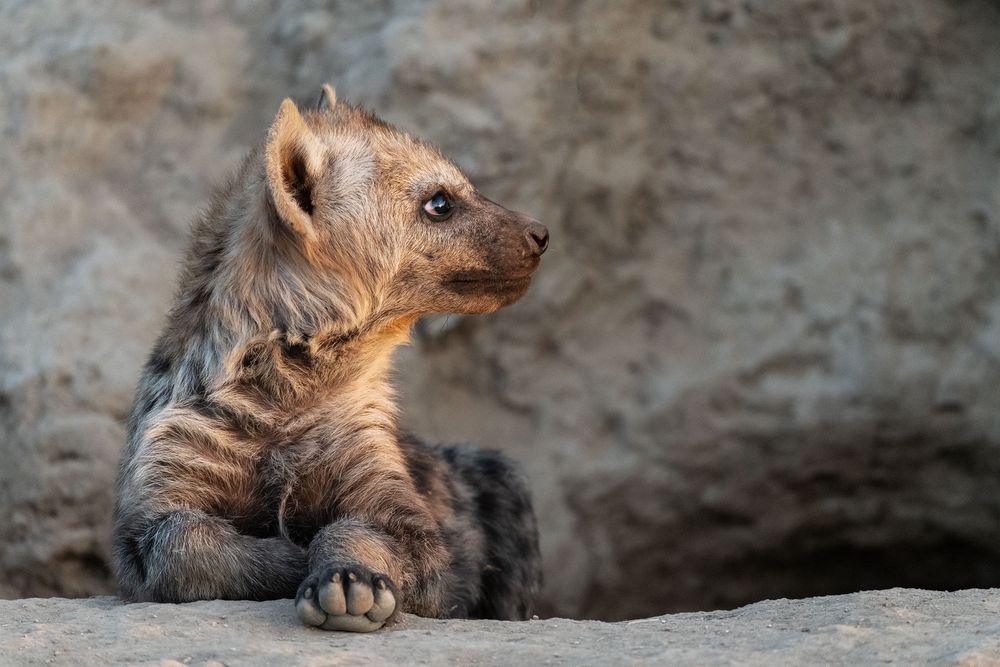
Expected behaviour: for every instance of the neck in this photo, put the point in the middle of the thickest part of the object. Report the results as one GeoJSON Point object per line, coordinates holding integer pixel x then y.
{"type": "Point", "coordinates": [279, 375]}
{"type": "Point", "coordinates": [259, 327]}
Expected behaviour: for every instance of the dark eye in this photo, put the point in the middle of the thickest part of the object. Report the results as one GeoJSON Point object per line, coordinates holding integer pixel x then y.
{"type": "Point", "coordinates": [438, 207]}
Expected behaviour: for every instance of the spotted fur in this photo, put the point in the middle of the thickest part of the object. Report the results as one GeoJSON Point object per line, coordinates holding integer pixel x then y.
{"type": "Point", "coordinates": [263, 444]}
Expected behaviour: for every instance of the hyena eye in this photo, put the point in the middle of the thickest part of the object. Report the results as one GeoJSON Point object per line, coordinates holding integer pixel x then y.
{"type": "Point", "coordinates": [438, 207]}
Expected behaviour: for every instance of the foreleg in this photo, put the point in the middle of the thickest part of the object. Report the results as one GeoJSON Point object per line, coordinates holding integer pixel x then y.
{"type": "Point", "coordinates": [186, 555]}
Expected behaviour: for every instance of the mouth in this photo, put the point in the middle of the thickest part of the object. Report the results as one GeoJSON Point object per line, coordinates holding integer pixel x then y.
{"type": "Point", "coordinates": [479, 284]}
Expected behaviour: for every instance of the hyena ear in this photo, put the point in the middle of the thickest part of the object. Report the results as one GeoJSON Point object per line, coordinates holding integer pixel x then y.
{"type": "Point", "coordinates": [294, 163]}
{"type": "Point", "coordinates": [327, 98]}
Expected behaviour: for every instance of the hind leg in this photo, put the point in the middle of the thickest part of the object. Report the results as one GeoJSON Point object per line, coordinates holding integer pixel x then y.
{"type": "Point", "coordinates": [501, 509]}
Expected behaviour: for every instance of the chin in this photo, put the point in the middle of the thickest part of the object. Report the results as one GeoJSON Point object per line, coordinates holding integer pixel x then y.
{"type": "Point", "coordinates": [480, 297]}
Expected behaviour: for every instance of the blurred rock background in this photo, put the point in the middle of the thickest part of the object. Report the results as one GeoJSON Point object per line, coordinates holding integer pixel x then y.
{"type": "Point", "coordinates": [761, 359]}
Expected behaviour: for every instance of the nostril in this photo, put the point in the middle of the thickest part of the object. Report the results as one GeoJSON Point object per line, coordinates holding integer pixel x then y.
{"type": "Point", "coordinates": [542, 239]}
{"type": "Point", "coordinates": [540, 235]}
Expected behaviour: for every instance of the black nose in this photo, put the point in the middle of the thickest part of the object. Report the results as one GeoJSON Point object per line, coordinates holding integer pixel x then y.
{"type": "Point", "coordinates": [538, 237]}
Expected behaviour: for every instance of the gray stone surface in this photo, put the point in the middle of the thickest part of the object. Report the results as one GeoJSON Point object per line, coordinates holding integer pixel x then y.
{"type": "Point", "coordinates": [762, 357]}
{"type": "Point", "coordinates": [894, 627]}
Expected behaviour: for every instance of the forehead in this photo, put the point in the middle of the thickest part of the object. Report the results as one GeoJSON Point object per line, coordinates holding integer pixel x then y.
{"type": "Point", "coordinates": [401, 160]}
{"type": "Point", "coordinates": [417, 166]}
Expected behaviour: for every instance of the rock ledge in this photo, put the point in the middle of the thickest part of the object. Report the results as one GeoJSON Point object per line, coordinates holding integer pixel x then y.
{"type": "Point", "coordinates": [898, 626]}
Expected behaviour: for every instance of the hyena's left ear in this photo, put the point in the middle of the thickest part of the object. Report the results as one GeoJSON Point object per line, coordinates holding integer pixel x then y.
{"type": "Point", "coordinates": [294, 163]}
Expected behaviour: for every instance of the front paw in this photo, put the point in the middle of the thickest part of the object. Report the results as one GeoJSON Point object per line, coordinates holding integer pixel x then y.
{"type": "Point", "coordinates": [346, 597]}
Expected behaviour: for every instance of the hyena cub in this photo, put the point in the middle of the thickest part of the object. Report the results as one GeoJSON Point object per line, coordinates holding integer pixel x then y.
{"type": "Point", "coordinates": [264, 459]}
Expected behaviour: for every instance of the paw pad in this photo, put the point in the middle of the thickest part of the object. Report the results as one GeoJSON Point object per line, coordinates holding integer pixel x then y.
{"type": "Point", "coordinates": [349, 598]}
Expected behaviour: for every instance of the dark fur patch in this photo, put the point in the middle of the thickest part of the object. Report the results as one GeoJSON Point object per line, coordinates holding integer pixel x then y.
{"type": "Point", "coordinates": [129, 550]}
{"type": "Point", "coordinates": [253, 356]}
{"type": "Point", "coordinates": [241, 425]}
{"type": "Point", "coordinates": [297, 353]}
{"type": "Point", "coordinates": [199, 296]}
{"type": "Point", "coordinates": [150, 399]}
{"type": "Point", "coordinates": [420, 462]}
{"type": "Point", "coordinates": [159, 364]}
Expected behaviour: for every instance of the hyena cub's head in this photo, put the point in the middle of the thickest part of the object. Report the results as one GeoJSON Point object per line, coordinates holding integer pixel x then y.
{"type": "Point", "coordinates": [393, 221]}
